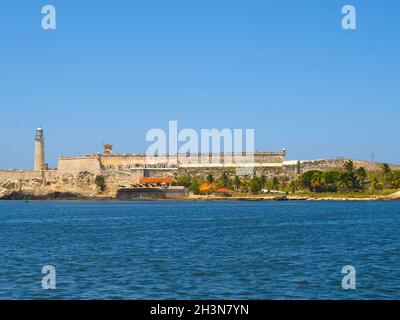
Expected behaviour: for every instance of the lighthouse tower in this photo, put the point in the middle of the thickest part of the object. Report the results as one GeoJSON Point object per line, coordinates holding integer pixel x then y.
{"type": "Point", "coordinates": [39, 151]}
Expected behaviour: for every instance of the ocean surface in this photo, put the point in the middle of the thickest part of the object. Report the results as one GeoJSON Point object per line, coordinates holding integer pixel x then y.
{"type": "Point", "coordinates": [200, 250]}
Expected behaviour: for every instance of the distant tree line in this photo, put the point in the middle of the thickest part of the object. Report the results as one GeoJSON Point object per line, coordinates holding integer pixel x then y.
{"type": "Point", "coordinates": [346, 179]}
{"type": "Point", "coordinates": [233, 183]}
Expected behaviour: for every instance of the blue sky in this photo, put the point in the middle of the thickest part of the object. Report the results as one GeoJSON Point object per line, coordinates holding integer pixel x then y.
{"type": "Point", "coordinates": [112, 70]}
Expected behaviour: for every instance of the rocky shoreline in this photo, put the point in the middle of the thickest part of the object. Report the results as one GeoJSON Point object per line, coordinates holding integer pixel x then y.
{"type": "Point", "coordinates": [84, 188]}
{"type": "Point", "coordinates": [62, 196]}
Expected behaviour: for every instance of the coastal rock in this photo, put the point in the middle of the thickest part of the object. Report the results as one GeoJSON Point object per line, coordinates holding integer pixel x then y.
{"type": "Point", "coordinates": [393, 196]}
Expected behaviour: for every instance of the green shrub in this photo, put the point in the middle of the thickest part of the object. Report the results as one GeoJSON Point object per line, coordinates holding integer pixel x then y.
{"type": "Point", "coordinates": [100, 182]}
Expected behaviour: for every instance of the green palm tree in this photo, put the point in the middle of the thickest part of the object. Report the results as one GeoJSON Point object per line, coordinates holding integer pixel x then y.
{"type": "Point", "coordinates": [225, 180]}
{"type": "Point", "coordinates": [349, 166]}
{"type": "Point", "coordinates": [395, 183]}
{"type": "Point", "coordinates": [237, 183]}
{"type": "Point", "coordinates": [293, 186]}
{"type": "Point", "coordinates": [263, 181]}
{"type": "Point", "coordinates": [274, 183]}
{"type": "Point", "coordinates": [376, 184]}
{"type": "Point", "coordinates": [318, 181]}
{"type": "Point", "coordinates": [255, 185]}
{"type": "Point", "coordinates": [387, 171]}
{"type": "Point", "coordinates": [361, 174]}
{"type": "Point", "coordinates": [386, 168]}
{"type": "Point", "coordinates": [395, 179]}
{"type": "Point", "coordinates": [346, 181]}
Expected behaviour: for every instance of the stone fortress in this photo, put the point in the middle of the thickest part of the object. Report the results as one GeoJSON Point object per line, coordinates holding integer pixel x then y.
{"type": "Point", "coordinates": [76, 175]}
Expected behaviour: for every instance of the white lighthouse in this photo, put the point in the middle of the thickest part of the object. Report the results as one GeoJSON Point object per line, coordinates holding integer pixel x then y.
{"type": "Point", "coordinates": [39, 151]}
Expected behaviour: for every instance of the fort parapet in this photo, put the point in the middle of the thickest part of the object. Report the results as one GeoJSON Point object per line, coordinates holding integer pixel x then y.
{"type": "Point", "coordinates": [97, 163]}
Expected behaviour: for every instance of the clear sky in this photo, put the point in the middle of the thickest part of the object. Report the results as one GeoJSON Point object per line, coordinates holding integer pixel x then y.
{"type": "Point", "coordinates": [112, 70]}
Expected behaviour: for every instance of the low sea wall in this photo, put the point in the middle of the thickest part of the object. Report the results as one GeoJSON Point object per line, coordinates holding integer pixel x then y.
{"type": "Point", "coordinates": [151, 193]}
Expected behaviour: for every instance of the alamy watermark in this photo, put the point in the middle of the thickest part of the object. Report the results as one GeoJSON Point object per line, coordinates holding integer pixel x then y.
{"type": "Point", "coordinates": [349, 280]}
{"type": "Point", "coordinates": [349, 21]}
{"type": "Point", "coordinates": [49, 20]}
{"type": "Point", "coordinates": [226, 147]}
{"type": "Point", "coordinates": [49, 280]}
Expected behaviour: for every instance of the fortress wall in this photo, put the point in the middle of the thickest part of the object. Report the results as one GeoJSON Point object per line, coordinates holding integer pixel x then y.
{"type": "Point", "coordinates": [335, 164]}
{"type": "Point", "coordinates": [79, 164]}
{"type": "Point", "coordinates": [20, 175]}
{"type": "Point", "coordinates": [130, 161]}
{"type": "Point", "coordinates": [26, 175]}
{"type": "Point", "coordinates": [269, 157]}
{"type": "Point", "coordinates": [123, 178]}
{"type": "Point", "coordinates": [70, 169]}
{"type": "Point", "coordinates": [282, 172]}
{"type": "Point", "coordinates": [202, 172]}
{"type": "Point", "coordinates": [323, 164]}
{"type": "Point", "coordinates": [259, 157]}
{"type": "Point", "coordinates": [122, 162]}
{"type": "Point", "coordinates": [373, 166]}
{"type": "Point", "coordinates": [127, 162]}
{"type": "Point", "coordinates": [51, 176]}
{"type": "Point", "coordinates": [163, 173]}
{"type": "Point", "coordinates": [134, 175]}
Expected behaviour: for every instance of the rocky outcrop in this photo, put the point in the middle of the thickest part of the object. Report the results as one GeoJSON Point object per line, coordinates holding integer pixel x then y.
{"type": "Point", "coordinates": [393, 196]}
{"type": "Point", "coordinates": [81, 186]}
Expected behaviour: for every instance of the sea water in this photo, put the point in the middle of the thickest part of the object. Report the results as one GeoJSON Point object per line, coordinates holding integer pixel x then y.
{"type": "Point", "coordinates": [200, 250]}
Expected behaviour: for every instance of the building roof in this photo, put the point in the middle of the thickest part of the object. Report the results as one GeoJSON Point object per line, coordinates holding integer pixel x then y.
{"type": "Point", "coordinates": [166, 180]}
{"type": "Point", "coordinates": [224, 190]}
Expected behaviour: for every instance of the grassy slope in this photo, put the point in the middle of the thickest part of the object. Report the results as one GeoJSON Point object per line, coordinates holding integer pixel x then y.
{"type": "Point", "coordinates": [364, 194]}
